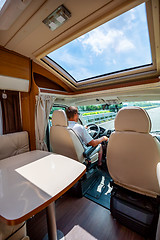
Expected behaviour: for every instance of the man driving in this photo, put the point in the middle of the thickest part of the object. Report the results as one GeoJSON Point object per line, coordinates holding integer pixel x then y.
{"type": "Point", "coordinates": [73, 116]}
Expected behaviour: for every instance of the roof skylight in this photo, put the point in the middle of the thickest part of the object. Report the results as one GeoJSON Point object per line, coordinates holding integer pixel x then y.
{"type": "Point", "coordinates": [2, 2]}
{"type": "Point", "coordinates": [120, 44]}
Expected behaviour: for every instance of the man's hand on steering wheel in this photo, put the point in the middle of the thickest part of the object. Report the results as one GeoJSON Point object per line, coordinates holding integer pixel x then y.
{"type": "Point", "coordinates": [94, 133]}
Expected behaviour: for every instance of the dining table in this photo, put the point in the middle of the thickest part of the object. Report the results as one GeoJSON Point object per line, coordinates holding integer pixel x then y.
{"type": "Point", "coordinates": [31, 182]}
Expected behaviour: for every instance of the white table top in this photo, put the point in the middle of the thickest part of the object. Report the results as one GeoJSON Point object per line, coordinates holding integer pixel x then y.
{"type": "Point", "coordinates": [29, 182]}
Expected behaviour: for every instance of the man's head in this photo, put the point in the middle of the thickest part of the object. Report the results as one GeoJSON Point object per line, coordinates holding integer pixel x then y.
{"type": "Point", "coordinates": [72, 113]}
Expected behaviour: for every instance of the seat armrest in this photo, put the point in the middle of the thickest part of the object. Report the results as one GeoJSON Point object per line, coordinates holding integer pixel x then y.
{"type": "Point", "coordinates": [90, 151]}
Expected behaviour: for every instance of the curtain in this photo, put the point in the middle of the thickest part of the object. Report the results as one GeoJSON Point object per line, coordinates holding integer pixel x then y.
{"type": "Point", "coordinates": [43, 107]}
{"type": "Point", "coordinates": [11, 112]}
{"type": "Point", "coordinates": [1, 121]}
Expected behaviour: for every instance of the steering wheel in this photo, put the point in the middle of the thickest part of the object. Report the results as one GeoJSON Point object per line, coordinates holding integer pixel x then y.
{"type": "Point", "coordinates": [91, 130]}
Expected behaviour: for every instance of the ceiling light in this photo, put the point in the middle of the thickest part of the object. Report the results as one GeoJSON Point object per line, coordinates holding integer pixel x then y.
{"type": "Point", "coordinates": [57, 18]}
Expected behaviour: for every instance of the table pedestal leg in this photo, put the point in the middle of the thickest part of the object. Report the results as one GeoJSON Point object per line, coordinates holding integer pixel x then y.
{"type": "Point", "coordinates": [53, 234]}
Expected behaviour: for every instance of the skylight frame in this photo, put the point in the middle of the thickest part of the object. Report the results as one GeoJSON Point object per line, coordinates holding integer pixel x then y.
{"type": "Point", "coordinates": [146, 70]}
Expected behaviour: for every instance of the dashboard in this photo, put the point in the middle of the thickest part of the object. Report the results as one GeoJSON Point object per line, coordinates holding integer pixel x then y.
{"type": "Point", "coordinates": [105, 132]}
{"type": "Point", "coordinates": [102, 132]}
{"type": "Point", "coordinates": [108, 132]}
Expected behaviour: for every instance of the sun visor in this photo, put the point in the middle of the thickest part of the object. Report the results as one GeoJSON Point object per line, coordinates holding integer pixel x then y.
{"type": "Point", "coordinates": [14, 84]}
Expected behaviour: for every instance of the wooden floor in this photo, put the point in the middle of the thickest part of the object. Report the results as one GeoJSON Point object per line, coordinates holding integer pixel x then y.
{"type": "Point", "coordinates": [81, 219]}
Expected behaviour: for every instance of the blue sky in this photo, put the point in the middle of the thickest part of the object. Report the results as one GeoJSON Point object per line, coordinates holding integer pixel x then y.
{"type": "Point", "coordinates": [116, 45]}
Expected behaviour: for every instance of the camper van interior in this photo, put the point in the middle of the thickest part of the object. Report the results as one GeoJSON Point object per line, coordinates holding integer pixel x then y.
{"type": "Point", "coordinates": [102, 57]}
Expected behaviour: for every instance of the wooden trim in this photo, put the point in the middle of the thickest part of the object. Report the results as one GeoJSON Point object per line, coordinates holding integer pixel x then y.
{"type": "Point", "coordinates": [28, 111]}
{"type": "Point", "coordinates": [12, 52]}
{"type": "Point", "coordinates": [51, 91]}
{"type": "Point", "coordinates": [14, 65]}
{"type": "Point", "coordinates": [43, 82]}
{"type": "Point", "coordinates": [43, 206]}
{"type": "Point", "coordinates": [156, 26]}
{"type": "Point", "coordinates": [28, 119]}
{"type": "Point", "coordinates": [120, 85]}
{"type": "Point", "coordinates": [41, 70]}
{"type": "Point", "coordinates": [103, 88]}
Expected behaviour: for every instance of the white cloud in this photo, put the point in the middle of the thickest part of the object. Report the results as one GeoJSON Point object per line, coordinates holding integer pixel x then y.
{"type": "Point", "coordinates": [100, 40]}
{"type": "Point", "coordinates": [130, 20]}
{"type": "Point", "coordinates": [114, 61]}
{"type": "Point", "coordinates": [76, 66]}
{"type": "Point", "coordinates": [63, 56]}
{"type": "Point", "coordinates": [124, 45]}
{"type": "Point", "coordinates": [132, 14]}
{"type": "Point", "coordinates": [80, 72]}
{"type": "Point", "coordinates": [80, 39]}
{"type": "Point", "coordinates": [130, 17]}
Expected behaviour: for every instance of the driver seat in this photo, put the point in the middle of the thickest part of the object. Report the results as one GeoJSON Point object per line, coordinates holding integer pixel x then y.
{"type": "Point", "coordinates": [66, 142]}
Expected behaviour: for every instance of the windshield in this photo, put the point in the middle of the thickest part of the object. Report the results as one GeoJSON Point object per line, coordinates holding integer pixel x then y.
{"type": "Point", "coordinates": [104, 115]}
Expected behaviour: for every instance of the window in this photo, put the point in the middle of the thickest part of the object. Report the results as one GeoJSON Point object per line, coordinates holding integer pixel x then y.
{"type": "Point", "coordinates": [53, 109]}
{"type": "Point", "coordinates": [105, 118]}
{"type": "Point", "coordinates": [2, 2]}
{"type": "Point", "coordinates": [118, 45]}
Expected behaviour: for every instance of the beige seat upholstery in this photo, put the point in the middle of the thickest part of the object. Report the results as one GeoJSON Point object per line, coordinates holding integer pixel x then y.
{"type": "Point", "coordinates": [65, 141]}
{"type": "Point", "coordinates": [13, 144]}
{"type": "Point", "coordinates": [10, 145]}
{"type": "Point", "coordinates": [17, 232]}
{"type": "Point", "coordinates": [158, 225]}
{"type": "Point", "coordinates": [133, 154]}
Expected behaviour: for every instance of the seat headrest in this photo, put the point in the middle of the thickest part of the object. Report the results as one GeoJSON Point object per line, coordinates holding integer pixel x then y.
{"type": "Point", "coordinates": [133, 119]}
{"type": "Point", "coordinates": [59, 118]}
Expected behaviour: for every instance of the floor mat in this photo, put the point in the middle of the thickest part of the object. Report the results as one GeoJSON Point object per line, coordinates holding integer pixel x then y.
{"type": "Point", "coordinates": [100, 190]}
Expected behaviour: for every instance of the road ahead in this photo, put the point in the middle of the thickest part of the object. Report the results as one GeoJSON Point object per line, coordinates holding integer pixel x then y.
{"type": "Point", "coordinates": [153, 113]}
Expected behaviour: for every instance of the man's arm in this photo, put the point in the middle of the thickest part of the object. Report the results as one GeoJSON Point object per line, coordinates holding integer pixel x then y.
{"type": "Point", "coordinates": [95, 142]}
